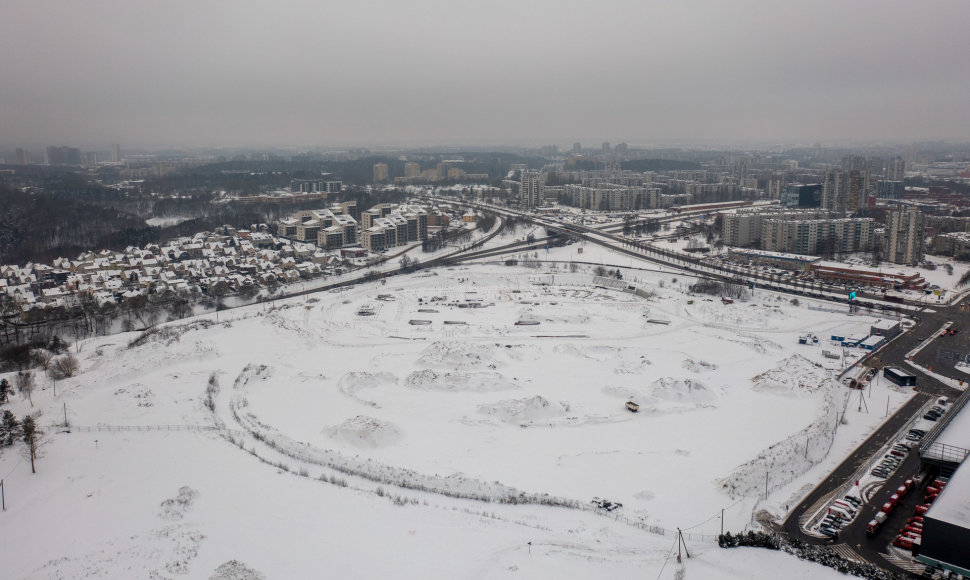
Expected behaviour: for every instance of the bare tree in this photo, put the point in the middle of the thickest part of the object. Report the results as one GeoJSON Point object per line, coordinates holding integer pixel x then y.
{"type": "Point", "coordinates": [26, 384]}
{"type": "Point", "coordinates": [64, 366]}
{"type": "Point", "coordinates": [42, 357]}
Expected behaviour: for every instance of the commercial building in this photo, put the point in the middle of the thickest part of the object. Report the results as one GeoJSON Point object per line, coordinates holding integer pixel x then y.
{"type": "Point", "coordinates": [946, 526]}
{"type": "Point", "coordinates": [787, 261]}
{"type": "Point", "coordinates": [840, 273]}
{"type": "Point", "coordinates": [802, 195]}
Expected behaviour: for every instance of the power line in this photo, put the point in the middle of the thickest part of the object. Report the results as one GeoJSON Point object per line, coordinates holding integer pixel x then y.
{"type": "Point", "coordinates": [677, 539]}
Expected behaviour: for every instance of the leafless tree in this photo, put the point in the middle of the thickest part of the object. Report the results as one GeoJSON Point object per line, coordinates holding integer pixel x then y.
{"type": "Point", "coordinates": [26, 384]}
{"type": "Point", "coordinates": [63, 367]}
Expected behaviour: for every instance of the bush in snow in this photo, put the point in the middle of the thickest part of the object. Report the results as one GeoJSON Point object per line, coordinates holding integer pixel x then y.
{"type": "Point", "coordinates": [818, 554]}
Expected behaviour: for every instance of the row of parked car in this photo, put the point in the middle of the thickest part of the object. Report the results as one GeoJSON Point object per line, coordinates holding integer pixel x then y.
{"type": "Point", "coordinates": [935, 412]}
{"type": "Point", "coordinates": [891, 460]}
{"type": "Point", "coordinates": [840, 513]}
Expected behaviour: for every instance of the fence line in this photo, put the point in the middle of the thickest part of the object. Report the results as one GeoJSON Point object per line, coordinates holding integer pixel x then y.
{"type": "Point", "coordinates": [657, 530]}
{"type": "Point", "coordinates": [142, 428]}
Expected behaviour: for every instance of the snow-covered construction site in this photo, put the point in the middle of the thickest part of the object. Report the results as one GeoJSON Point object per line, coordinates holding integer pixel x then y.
{"type": "Point", "coordinates": [465, 422]}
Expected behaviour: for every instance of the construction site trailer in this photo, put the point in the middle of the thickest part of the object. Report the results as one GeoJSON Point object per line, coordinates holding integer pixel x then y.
{"type": "Point", "coordinates": [899, 376]}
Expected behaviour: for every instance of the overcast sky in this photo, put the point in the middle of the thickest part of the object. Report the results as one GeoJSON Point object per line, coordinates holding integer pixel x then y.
{"type": "Point", "coordinates": [330, 72]}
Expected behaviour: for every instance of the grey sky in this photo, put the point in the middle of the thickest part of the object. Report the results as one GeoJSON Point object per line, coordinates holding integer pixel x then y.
{"type": "Point", "coordinates": [325, 72]}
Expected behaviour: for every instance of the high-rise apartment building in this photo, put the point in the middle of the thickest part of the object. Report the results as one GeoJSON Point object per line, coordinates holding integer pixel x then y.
{"type": "Point", "coordinates": [530, 189]}
{"type": "Point", "coordinates": [845, 190]}
{"type": "Point", "coordinates": [906, 234]}
{"type": "Point", "coordinates": [23, 156]}
{"type": "Point", "coordinates": [116, 153]}
{"type": "Point", "coordinates": [886, 189]}
{"type": "Point", "coordinates": [896, 169]}
{"type": "Point", "coordinates": [62, 156]}
{"type": "Point", "coordinates": [411, 170]}
{"type": "Point", "coordinates": [380, 172]}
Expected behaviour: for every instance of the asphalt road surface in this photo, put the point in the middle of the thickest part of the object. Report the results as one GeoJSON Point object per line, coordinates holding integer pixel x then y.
{"type": "Point", "coordinates": [871, 548]}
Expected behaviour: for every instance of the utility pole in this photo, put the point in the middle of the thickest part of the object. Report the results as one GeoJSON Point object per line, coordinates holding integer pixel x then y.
{"type": "Point", "coordinates": [680, 540]}
{"type": "Point", "coordinates": [722, 521]}
{"type": "Point", "coordinates": [678, 545]}
{"type": "Point", "coordinates": [3, 497]}
{"type": "Point", "coordinates": [65, 414]}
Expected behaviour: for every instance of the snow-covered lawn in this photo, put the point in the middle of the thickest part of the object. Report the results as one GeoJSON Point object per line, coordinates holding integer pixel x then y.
{"type": "Point", "coordinates": [491, 434]}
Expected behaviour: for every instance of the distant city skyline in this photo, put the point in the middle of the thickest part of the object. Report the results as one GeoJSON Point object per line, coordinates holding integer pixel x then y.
{"type": "Point", "coordinates": [293, 74]}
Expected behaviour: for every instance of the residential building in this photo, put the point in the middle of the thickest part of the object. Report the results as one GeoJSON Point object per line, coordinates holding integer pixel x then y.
{"type": "Point", "coordinates": [816, 236]}
{"type": "Point", "coordinates": [412, 170]}
{"type": "Point", "coordinates": [906, 235]}
{"type": "Point", "coordinates": [380, 172]}
{"type": "Point", "coordinates": [530, 189]}
{"type": "Point", "coordinates": [896, 169]}
{"type": "Point", "coordinates": [886, 189]}
{"type": "Point", "coordinates": [62, 156]}
{"type": "Point", "coordinates": [611, 197]}
{"type": "Point", "coordinates": [845, 190]}
{"type": "Point", "coordinates": [23, 157]}
{"type": "Point", "coordinates": [116, 153]}
{"type": "Point", "coordinates": [741, 228]}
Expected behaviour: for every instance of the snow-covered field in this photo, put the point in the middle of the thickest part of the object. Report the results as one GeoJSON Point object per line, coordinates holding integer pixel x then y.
{"type": "Point", "coordinates": [309, 439]}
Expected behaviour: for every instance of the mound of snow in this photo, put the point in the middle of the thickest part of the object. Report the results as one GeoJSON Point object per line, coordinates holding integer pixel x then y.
{"type": "Point", "coordinates": [478, 382]}
{"type": "Point", "coordinates": [235, 570]}
{"type": "Point", "coordinates": [363, 431]}
{"type": "Point", "coordinates": [793, 374]}
{"type": "Point", "coordinates": [621, 392]}
{"type": "Point", "coordinates": [597, 353]}
{"type": "Point", "coordinates": [681, 390]}
{"type": "Point", "coordinates": [524, 411]}
{"type": "Point", "coordinates": [698, 366]}
{"type": "Point", "coordinates": [355, 381]}
{"type": "Point", "coordinates": [455, 355]}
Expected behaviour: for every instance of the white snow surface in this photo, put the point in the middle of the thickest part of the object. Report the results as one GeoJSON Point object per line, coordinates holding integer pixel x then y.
{"type": "Point", "coordinates": [301, 438]}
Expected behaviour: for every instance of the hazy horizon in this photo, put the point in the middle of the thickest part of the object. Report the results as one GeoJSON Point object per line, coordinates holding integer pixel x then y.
{"type": "Point", "coordinates": [433, 73]}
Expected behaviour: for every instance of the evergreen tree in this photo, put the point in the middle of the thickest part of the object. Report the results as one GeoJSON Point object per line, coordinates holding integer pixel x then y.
{"type": "Point", "coordinates": [4, 390]}
{"type": "Point", "coordinates": [9, 429]}
{"type": "Point", "coordinates": [30, 435]}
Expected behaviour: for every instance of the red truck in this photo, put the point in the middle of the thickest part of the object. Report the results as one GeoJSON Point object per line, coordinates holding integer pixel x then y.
{"type": "Point", "coordinates": [873, 526]}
